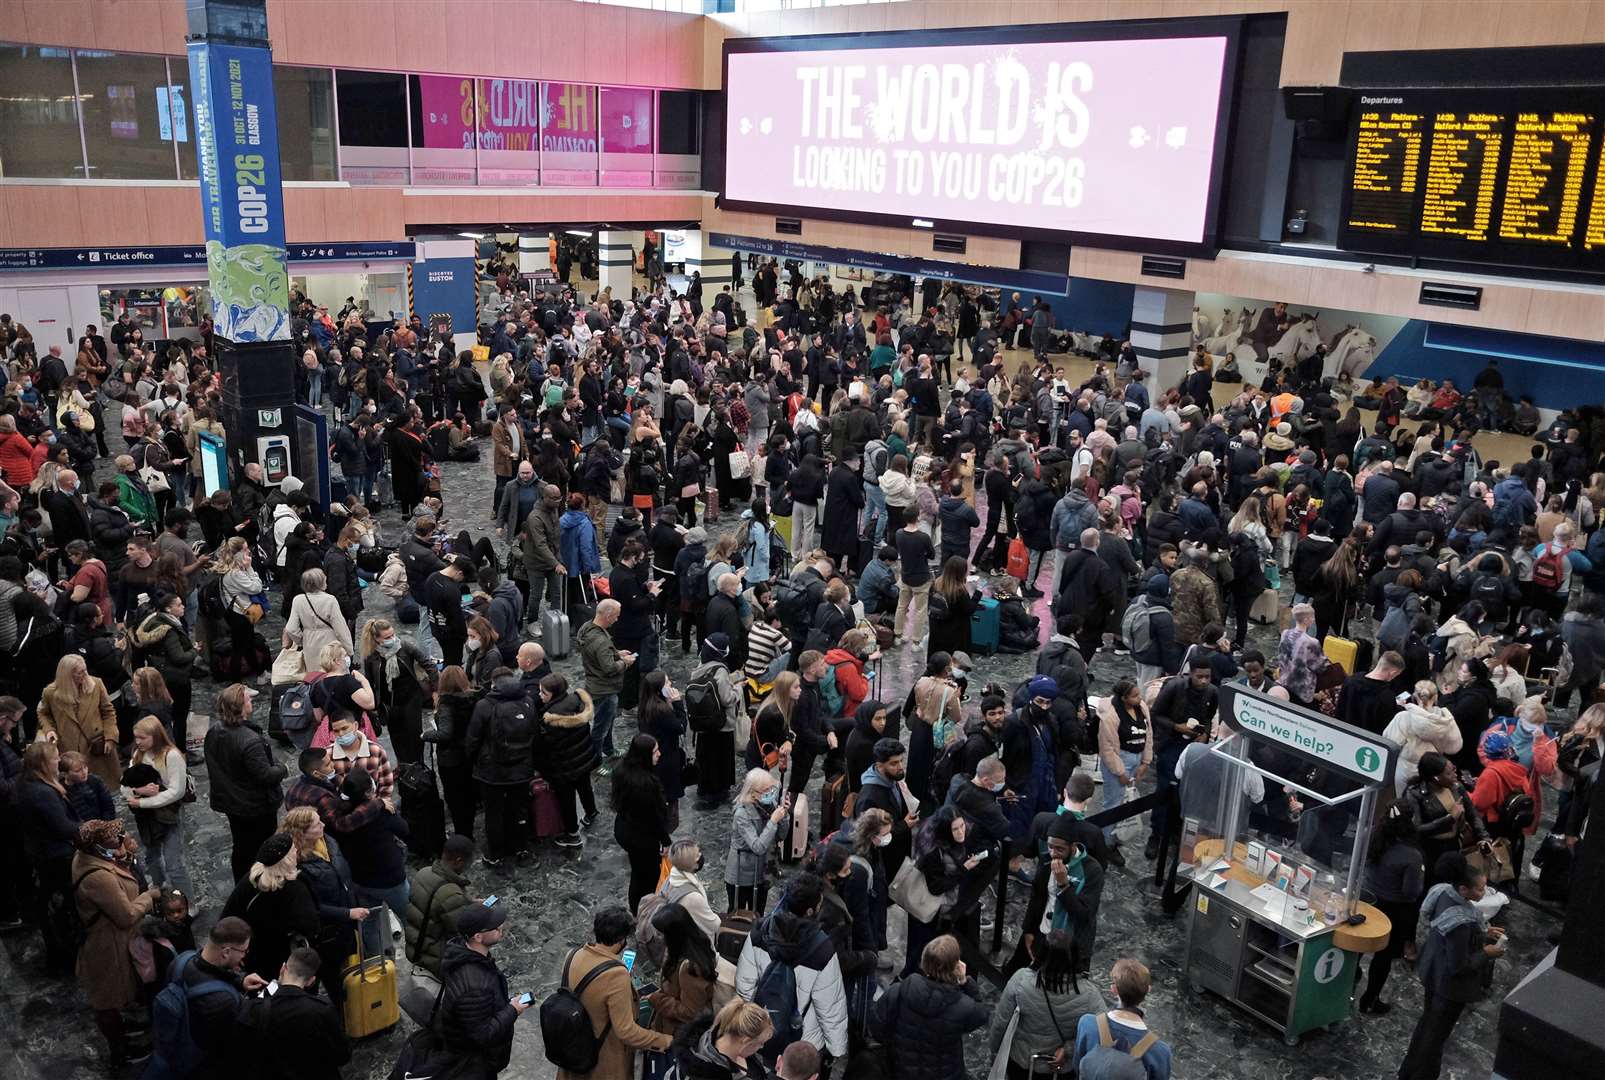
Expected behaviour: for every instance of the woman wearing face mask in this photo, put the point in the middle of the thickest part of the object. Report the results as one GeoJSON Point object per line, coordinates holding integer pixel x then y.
{"type": "Point", "coordinates": [481, 657]}
{"type": "Point", "coordinates": [866, 888]}
{"type": "Point", "coordinates": [754, 833]}
{"type": "Point", "coordinates": [662, 715]}
{"type": "Point", "coordinates": [110, 906]}
{"type": "Point", "coordinates": [683, 887]}
{"type": "Point", "coordinates": [402, 680]}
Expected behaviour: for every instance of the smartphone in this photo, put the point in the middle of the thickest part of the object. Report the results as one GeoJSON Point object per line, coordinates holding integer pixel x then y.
{"type": "Point", "coordinates": [984, 855]}
{"type": "Point", "coordinates": [490, 901]}
{"type": "Point", "coordinates": [629, 959]}
{"type": "Point", "coordinates": [526, 998]}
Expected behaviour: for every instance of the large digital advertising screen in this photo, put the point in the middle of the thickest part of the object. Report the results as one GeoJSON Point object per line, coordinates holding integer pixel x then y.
{"type": "Point", "coordinates": [1103, 132]}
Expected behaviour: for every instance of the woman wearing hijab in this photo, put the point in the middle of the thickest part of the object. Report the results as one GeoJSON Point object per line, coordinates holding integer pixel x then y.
{"type": "Point", "coordinates": [110, 906]}
{"type": "Point", "coordinates": [870, 723]}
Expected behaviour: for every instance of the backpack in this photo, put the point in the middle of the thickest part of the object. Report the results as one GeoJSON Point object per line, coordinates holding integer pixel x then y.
{"type": "Point", "coordinates": [792, 601]}
{"type": "Point", "coordinates": [1548, 569]}
{"type": "Point", "coordinates": [876, 458]}
{"type": "Point", "coordinates": [776, 992]}
{"type": "Point", "coordinates": [174, 1050]}
{"type": "Point", "coordinates": [1517, 811]}
{"type": "Point", "coordinates": [647, 938]}
{"type": "Point", "coordinates": [947, 767]}
{"type": "Point", "coordinates": [1489, 591]}
{"type": "Point", "coordinates": [703, 710]}
{"type": "Point", "coordinates": [830, 694]}
{"type": "Point", "coordinates": [694, 592]}
{"type": "Point", "coordinates": [295, 707]}
{"type": "Point", "coordinates": [1106, 1061]}
{"type": "Point", "coordinates": [210, 598]}
{"type": "Point", "coordinates": [1136, 627]}
{"type": "Point", "coordinates": [571, 1045]}
{"type": "Point", "coordinates": [1395, 628]}
{"type": "Point", "coordinates": [1245, 557]}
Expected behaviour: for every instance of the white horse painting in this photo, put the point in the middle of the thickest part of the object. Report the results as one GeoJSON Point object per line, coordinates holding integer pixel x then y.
{"type": "Point", "coordinates": [1232, 333]}
{"type": "Point", "coordinates": [1352, 352]}
{"type": "Point", "coordinates": [1300, 340]}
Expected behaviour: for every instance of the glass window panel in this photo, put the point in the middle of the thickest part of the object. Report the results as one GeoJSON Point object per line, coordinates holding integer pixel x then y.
{"type": "Point", "coordinates": [509, 131]}
{"type": "Point", "coordinates": [122, 118]}
{"type": "Point", "coordinates": [373, 126]}
{"type": "Point", "coordinates": [442, 129]}
{"type": "Point", "coordinates": [38, 114]}
{"type": "Point", "coordinates": [626, 136]}
{"type": "Point", "coordinates": [305, 102]}
{"type": "Point", "coordinates": [679, 139]}
{"type": "Point", "coordinates": [568, 134]}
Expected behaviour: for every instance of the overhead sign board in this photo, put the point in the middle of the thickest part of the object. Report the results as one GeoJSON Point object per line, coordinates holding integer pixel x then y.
{"type": "Point", "coordinates": [100, 257]}
{"type": "Point", "coordinates": [1314, 736]}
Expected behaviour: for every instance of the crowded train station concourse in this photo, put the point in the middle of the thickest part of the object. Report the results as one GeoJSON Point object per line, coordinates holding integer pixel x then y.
{"type": "Point", "coordinates": [731, 539]}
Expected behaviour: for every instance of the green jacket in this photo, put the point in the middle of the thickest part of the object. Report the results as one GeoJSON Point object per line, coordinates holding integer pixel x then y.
{"type": "Point", "coordinates": [136, 499]}
{"type": "Point", "coordinates": [604, 670]}
{"type": "Point", "coordinates": [438, 895]}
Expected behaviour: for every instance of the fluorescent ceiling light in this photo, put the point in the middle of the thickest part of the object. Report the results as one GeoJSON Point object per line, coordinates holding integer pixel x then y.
{"type": "Point", "coordinates": [921, 223]}
{"type": "Point", "coordinates": [472, 235]}
{"type": "Point", "coordinates": [577, 232]}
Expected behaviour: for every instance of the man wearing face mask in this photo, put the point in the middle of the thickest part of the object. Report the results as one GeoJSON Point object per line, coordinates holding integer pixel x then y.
{"type": "Point", "coordinates": [69, 516]}
{"type": "Point", "coordinates": [340, 568]}
{"type": "Point", "coordinates": [318, 786]}
{"type": "Point", "coordinates": [976, 797]}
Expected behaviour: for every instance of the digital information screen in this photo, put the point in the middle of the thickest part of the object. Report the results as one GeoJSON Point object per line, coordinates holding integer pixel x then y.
{"type": "Point", "coordinates": [1482, 175]}
{"type": "Point", "coordinates": [1117, 134]}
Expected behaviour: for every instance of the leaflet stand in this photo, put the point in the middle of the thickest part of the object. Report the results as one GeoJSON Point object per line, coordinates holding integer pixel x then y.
{"type": "Point", "coordinates": [1269, 926]}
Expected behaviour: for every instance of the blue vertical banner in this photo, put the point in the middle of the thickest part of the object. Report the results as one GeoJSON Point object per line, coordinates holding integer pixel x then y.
{"type": "Point", "coordinates": [445, 289]}
{"type": "Point", "coordinates": [237, 147]}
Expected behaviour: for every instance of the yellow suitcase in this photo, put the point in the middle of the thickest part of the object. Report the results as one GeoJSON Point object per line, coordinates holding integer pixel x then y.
{"type": "Point", "coordinates": [1342, 651]}
{"type": "Point", "coordinates": [372, 1003]}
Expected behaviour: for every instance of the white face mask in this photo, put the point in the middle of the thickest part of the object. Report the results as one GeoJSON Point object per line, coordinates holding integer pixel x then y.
{"type": "Point", "coordinates": [473, 642]}
{"type": "Point", "coordinates": [883, 840]}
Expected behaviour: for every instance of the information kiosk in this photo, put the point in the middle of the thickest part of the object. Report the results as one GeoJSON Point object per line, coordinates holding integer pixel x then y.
{"type": "Point", "coordinates": [1276, 926]}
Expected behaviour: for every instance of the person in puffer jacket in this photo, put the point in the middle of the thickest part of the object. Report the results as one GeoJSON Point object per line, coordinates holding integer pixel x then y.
{"type": "Point", "coordinates": [923, 1019]}
{"type": "Point", "coordinates": [566, 752]}
{"type": "Point", "coordinates": [792, 935]}
{"type": "Point", "coordinates": [724, 1045]}
{"type": "Point", "coordinates": [1422, 725]}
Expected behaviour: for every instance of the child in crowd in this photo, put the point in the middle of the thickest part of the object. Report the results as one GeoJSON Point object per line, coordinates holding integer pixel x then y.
{"type": "Point", "coordinates": [85, 791]}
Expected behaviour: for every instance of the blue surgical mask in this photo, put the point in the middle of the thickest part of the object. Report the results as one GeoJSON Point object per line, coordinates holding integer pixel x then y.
{"type": "Point", "coordinates": [770, 797]}
{"type": "Point", "coordinates": [348, 740]}
{"type": "Point", "coordinates": [999, 786]}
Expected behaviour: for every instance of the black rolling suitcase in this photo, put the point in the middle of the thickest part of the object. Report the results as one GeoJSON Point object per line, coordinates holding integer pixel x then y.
{"type": "Point", "coordinates": [422, 808]}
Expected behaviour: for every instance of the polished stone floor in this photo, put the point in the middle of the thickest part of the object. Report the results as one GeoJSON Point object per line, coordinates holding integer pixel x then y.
{"type": "Point", "coordinates": [46, 1031]}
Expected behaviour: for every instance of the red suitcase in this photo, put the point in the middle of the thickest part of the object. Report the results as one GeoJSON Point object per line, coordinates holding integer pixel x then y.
{"type": "Point", "coordinates": [545, 819]}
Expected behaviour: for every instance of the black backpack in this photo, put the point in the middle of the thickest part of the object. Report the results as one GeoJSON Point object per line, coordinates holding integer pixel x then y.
{"type": "Point", "coordinates": [210, 598]}
{"type": "Point", "coordinates": [1517, 811]}
{"type": "Point", "coordinates": [694, 591]}
{"type": "Point", "coordinates": [702, 709]}
{"type": "Point", "coordinates": [571, 1045]}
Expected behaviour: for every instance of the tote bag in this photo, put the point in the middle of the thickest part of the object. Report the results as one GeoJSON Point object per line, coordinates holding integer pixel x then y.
{"type": "Point", "coordinates": [911, 893]}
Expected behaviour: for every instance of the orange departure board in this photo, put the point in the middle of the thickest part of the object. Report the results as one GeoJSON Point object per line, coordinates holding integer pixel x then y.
{"type": "Point", "coordinates": [1462, 165]}
{"type": "Point", "coordinates": [1510, 176]}
{"type": "Point", "coordinates": [1387, 169]}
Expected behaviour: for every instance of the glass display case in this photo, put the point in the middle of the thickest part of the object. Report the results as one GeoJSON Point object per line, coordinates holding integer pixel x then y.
{"type": "Point", "coordinates": [1276, 823]}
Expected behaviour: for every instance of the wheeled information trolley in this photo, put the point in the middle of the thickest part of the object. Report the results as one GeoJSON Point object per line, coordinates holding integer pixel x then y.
{"type": "Point", "coordinates": [1276, 926]}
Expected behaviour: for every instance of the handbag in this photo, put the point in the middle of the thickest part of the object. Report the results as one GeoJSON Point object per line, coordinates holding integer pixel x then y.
{"type": "Point", "coordinates": [663, 870]}
{"type": "Point", "coordinates": [1496, 864]}
{"type": "Point", "coordinates": [690, 491]}
{"type": "Point", "coordinates": [740, 465]}
{"type": "Point", "coordinates": [910, 892]}
{"type": "Point", "coordinates": [289, 666]}
{"type": "Point", "coordinates": [155, 479]}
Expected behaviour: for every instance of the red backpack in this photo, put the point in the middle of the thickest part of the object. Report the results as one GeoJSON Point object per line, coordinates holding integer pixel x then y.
{"type": "Point", "coordinates": [1548, 569]}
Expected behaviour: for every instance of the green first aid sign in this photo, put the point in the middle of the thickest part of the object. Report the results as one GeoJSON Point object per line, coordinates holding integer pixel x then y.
{"type": "Point", "coordinates": [1333, 744]}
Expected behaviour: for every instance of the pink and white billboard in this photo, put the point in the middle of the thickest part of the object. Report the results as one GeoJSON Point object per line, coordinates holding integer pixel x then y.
{"type": "Point", "coordinates": [1109, 137]}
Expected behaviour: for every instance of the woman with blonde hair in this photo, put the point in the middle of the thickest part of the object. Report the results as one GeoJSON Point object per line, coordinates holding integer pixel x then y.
{"type": "Point", "coordinates": [924, 1017]}
{"type": "Point", "coordinates": [754, 833]}
{"type": "Point", "coordinates": [159, 802]}
{"type": "Point", "coordinates": [76, 713]}
{"type": "Point", "coordinates": [725, 1044]}
{"type": "Point", "coordinates": [244, 605]}
{"type": "Point", "coordinates": [339, 917]}
{"type": "Point", "coordinates": [315, 618]}
{"type": "Point", "coordinates": [244, 777]}
{"type": "Point", "coordinates": [279, 906]}
{"type": "Point", "coordinates": [770, 742]}
{"type": "Point", "coordinates": [402, 682]}
{"type": "Point", "coordinates": [1419, 727]}
{"type": "Point", "coordinates": [340, 689]}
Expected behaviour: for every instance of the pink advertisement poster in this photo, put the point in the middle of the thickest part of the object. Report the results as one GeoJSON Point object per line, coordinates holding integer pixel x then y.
{"type": "Point", "coordinates": [1113, 137]}
{"type": "Point", "coordinates": [626, 136]}
{"type": "Point", "coordinates": [568, 134]}
{"type": "Point", "coordinates": [448, 111]}
{"type": "Point", "coordinates": [509, 114]}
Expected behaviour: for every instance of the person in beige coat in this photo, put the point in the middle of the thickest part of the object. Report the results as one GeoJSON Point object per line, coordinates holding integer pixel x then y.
{"type": "Point", "coordinates": [75, 713]}
{"type": "Point", "coordinates": [610, 999]}
{"type": "Point", "coordinates": [315, 619]}
{"type": "Point", "coordinates": [1420, 726]}
{"type": "Point", "coordinates": [110, 906]}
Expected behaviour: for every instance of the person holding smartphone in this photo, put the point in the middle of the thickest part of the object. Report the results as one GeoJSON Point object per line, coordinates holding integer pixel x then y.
{"type": "Point", "coordinates": [755, 830]}
{"type": "Point", "coordinates": [956, 866]}
{"type": "Point", "coordinates": [476, 1012]}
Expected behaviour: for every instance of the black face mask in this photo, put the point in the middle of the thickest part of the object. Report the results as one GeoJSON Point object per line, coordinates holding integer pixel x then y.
{"type": "Point", "coordinates": [701, 860]}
